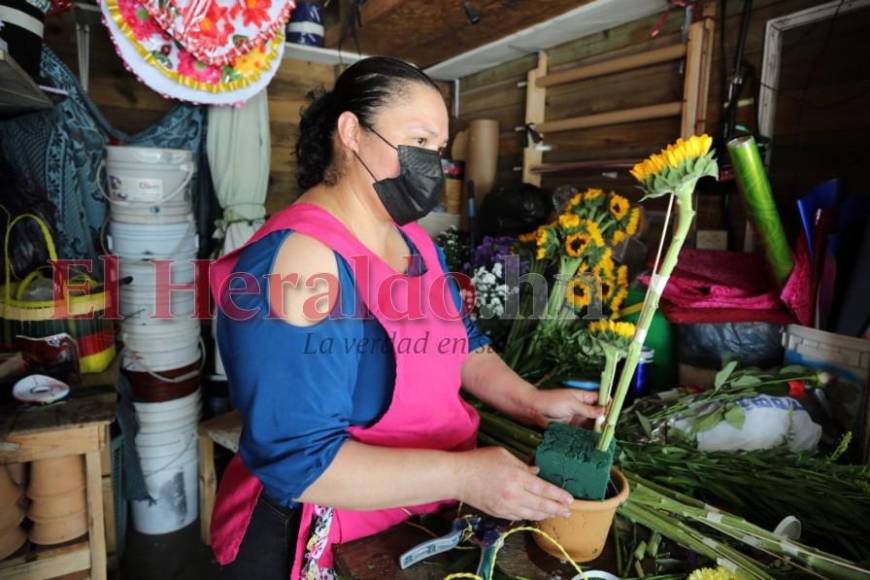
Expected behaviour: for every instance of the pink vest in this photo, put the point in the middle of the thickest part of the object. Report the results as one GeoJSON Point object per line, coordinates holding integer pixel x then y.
{"type": "Point", "coordinates": [426, 410]}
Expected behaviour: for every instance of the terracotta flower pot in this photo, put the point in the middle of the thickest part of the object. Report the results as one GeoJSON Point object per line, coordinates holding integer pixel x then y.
{"type": "Point", "coordinates": [55, 476]}
{"type": "Point", "coordinates": [59, 530]}
{"type": "Point", "coordinates": [10, 540]}
{"type": "Point", "coordinates": [10, 517]}
{"type": "Point", "coordinates": [584, 533]}
{"type": "Point", "coordinates": [57, 506]}
{"type": "Point", "coordinates": [9, 491]}
{"type": "Point", "coordinates": [17, 473]}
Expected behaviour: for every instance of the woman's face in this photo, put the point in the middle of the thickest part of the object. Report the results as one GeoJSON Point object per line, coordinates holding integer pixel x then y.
{"type": "Point", "coordinates": [418, 118]}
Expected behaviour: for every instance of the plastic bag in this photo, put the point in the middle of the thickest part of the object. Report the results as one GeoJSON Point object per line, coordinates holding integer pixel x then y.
{"type": "Point", "coordinates": [760, 422]}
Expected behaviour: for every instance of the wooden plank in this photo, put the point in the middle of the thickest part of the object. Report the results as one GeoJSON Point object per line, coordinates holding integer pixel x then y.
{"type": "Point", "coordinates": [207, 487]}
{"type": "Point", "coordinates": [93, 406]}
{"type": "Point", "coordinates": [225, 430]}
{"type": "Point", "coordinates": [624, 63]}
{"type": "Point", "coordinates": [697, 78]}
{"type": "Point", "coordinates": [536, 104]}
{"type": "Point", "coordinates": [96, 529]}
{"type": "Point", "coordinates": [108, 494]}
{"type": "Point", "coordinates": [612, 118]}
{"type": "Point", "coordinates": [48, 563]}
{"type": "Point", "coordinates": [42, 445]}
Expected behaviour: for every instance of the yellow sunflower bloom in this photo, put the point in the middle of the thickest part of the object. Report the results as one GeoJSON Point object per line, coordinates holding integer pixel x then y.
{"type": "Point", "coordinates": [604, 268]}
{"type": "Point", "coordinates": [575, 200]}
{"type": "Point", "coordinates": [542, 234]}
{"type": "Point", "coordinates": [622, 276]}
{"type": "Point", "coordinates": [594, 232]}
{"type": "Point", "coordinates": [592, 193]}
{"type": "Point", "coordinates": [672, 156]}
{"type": "Point", "coordinates": [608, 288]}
{"type": "Point", "coordinates": [569, 220]}
{"type": "Point", "coordinates": [618, 237]}
{"type": "Point", "coordinates": [578, 293]}
{"type": "Point", "coordinates": [719, 573]}
{"type": "Point", "coordinates": [617, 301]}
{"type": "Point", "coordinates": [576, 244]}
{"type": "Point", "coordinates": [541, 253]}
{"type": "Point", "coordinates": [528, 237]}
{"type": "Point", "coordinates": [633, 221]}
{"type": "Point", "coordinates": [618, 207]}
{"type": "Point", "coordinates": [620, 329]}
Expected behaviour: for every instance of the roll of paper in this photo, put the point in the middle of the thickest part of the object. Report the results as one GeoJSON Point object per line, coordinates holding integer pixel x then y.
{"type": "Point", "coordinates": [755, 187]}
{"type": "Point", "coordinates": [482, 156]}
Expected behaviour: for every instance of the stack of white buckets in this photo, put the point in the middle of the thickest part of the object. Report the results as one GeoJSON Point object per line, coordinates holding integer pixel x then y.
{"type": "Point", "coordinates": [151, 219]}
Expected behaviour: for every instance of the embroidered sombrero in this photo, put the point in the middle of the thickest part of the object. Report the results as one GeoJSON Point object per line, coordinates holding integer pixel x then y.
{"type": "Point", "coordinates": [170, 69]}
{"type": "Point", "coordinates": [217, 31]}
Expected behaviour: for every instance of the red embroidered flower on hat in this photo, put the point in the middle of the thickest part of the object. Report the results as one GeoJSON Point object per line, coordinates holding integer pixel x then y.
{"type": "Point", "coordinates": [256, 12]}
{"type": "Point", "coordinates": [138, 19]}
{"type": "Point", "coordinates": [190, 67]}
{"type": "Point", "coordinates": [214, 30]}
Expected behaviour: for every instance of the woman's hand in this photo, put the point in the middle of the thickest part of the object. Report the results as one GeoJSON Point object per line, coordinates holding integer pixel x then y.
{"type": "Point", "coordinates": [572, 406]}
{"type": "Point", "coordinates": [493, 480]}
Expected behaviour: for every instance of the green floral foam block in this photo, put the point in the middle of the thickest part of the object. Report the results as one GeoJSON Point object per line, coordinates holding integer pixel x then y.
{"type": "Point", "coordinates": [568, 458]}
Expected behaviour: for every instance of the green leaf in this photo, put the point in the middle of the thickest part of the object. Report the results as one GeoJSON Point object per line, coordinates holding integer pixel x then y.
{"type": "Point", "coordinates": [722, 376]}
{"type": "Point", "coordinates": [747, 381]}
{"type": "Point", "coordinates": [708, 422]}
{"type": "Point", "coordinates": [644, 423]}
{"type": "Point", "coordinates": [793, 370]}
{"type": "Point", "coordinates": [735, 416]}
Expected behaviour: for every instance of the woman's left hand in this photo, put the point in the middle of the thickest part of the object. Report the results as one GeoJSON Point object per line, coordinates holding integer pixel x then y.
{"type": "Point", "coordinates": [572, 406]}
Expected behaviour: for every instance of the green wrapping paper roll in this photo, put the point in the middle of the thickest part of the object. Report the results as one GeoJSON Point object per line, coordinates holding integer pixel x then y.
{"type": "Point", "coordinates": [753, 183]}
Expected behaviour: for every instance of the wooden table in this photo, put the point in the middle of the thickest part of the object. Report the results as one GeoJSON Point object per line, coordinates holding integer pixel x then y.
{"type": "Point", "coordinates": [77, 426]}
{"type": "Point", "coordinates": [377, 557]}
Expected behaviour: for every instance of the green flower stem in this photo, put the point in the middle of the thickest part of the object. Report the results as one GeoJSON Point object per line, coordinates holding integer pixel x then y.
{"type": "Point", "coordinates": [683, 534]}
{"type": "Point", "coordinates": [650, 305]}
{"type": "Point", "coordinates": [611, 359]}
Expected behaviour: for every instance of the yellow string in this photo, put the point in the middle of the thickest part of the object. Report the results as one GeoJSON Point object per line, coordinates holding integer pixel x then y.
{"type": "Point", "coordinates": [501, 542]}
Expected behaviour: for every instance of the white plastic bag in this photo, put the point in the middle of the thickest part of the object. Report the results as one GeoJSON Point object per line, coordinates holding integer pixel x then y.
{"type": "Point", "coordinates": [767, 422]}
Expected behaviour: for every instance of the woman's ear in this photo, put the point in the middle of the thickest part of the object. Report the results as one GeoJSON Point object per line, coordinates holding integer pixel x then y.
{"type": "Point", "coordinates": [348, 131]}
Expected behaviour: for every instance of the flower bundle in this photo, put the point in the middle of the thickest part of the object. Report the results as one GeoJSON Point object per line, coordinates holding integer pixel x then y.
{"type": "Point", "coordinates": [580, 241]}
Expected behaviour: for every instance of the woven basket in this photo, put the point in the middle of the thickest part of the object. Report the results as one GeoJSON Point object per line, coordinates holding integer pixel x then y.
{"type": "Point", "coordinates": [78, 312]}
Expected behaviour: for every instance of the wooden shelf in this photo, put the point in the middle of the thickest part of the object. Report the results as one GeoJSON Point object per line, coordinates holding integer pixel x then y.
{"type": "Point", "coordinates": [40, 563]}
{"type": "Point", "coordinates": [320, 55]}
{"type": "Point", "coordinates": [18, 92]}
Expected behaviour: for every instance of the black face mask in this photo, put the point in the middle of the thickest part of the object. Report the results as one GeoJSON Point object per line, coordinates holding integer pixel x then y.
{"type": "Point", "coordinates": [418, 187]}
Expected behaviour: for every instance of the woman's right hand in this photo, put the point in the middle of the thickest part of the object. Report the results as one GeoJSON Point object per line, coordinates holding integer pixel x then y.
{"type": "Point", "coordinates": [496, 482]}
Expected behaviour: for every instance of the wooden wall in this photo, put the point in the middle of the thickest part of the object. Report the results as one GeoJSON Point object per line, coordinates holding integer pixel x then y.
{"type": "Point", "coordinates": [131, 106]}
{"type": "Point", "coordinates": [494, 94]}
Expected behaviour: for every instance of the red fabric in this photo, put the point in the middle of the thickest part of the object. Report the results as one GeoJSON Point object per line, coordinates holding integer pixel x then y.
{"type": "Point", "coordinates": [797, 294]}
{"type": "Point", "coordinates": [426, 410]}
{"type": "Point", "coordinates": [716, 286]}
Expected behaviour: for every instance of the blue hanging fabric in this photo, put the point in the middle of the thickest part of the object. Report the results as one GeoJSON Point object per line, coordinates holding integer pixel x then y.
{"type": "Point", "coordinates": [306, 24]}
{"type": "Point", "coordinates": [60, 151]}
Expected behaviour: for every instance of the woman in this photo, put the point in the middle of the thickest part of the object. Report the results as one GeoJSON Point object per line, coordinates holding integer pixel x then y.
{"type": "Point", "coordinates": [347, 383]}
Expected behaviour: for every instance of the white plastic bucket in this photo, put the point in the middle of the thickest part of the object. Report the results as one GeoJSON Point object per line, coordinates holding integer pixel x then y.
{"type": "Point", "coordinates": [174, 486]}
{"type": "Point", "coordinates": [143, 273]}
{"type": "Point", "coordinates": [142, 213]}
{"type": "Point", "coordinates": [173, 408]}
{"type": "Point", "coordinates": [163, 347]}
{"type": "Point", "coordinates": [148, 175]}
{"type": "Point", "coordinates": [150, 240]}
{"type": "Point", "coordinates": [141, 307]}
{"type": "Point", "coordinates": [163, 427]}
{"type": "Point", "coordinates": [166, 444]}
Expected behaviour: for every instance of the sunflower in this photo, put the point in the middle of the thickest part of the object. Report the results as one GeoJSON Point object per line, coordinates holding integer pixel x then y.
{"type": "Point", "coordinates": [622, 276]}
{"type": "Point", "coordinates": [593, 194]}
{"type": "Point", "coordinates": [719, 573]}
{"type": "Point", "coordinates": [618, 237]}
{"type": "Point", "coordinates": [578, 293]}
{"type": "Point", "coordinates": [633, 221]}
{"type": "Point", "coordinates": [618, 206]}
{"type": "Point", "coordinates": [528, 237]}
{"type": "Point", "coordinates": [576, 244]}
{"type": "Point", "coordinates": [620, 329]}
{"type": "Point", "coordinates": [617, 301]}
{"type": "Point", "coordinates": [595, 232]}
{"type": "Point", "coordinates": [575, 200]}
{"type": "Point", "coordinates": [608, 287]}
{"type": "Point", "coordinates": [675, 157]}
{"type": "Point", "coordinates": [569, 220]}
{"type": "Point", "coordinates": [604, 268]}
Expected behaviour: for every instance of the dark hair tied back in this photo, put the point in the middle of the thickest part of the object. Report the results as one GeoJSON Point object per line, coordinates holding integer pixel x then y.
{"type": "Point", "coordinates": [363, 89]}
